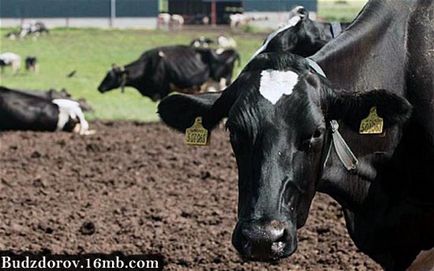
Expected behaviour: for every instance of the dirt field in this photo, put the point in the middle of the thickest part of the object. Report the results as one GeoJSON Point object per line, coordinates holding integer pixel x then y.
{"type": "Point", "coordinates": [136, 188]}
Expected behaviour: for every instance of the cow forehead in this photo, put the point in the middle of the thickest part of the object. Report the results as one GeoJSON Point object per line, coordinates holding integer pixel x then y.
{"type": "Point", "coordinates": [275, 83]}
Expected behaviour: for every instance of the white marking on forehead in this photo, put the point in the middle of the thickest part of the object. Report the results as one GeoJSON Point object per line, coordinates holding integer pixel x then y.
{"type": "Point", "coordinates": [274, 84]}
{"type": "Point", "coordinates": [291, 22]}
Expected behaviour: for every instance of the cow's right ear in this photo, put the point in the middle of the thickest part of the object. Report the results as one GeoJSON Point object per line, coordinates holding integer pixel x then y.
{"type": "Point", "coordinates": [179, 111]}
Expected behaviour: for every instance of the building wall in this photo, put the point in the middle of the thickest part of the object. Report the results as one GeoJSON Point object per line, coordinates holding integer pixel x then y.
{"type": "Point", "coordinates": [277, 5]}
{"type": "Point", "coordinates": [76, 8]}
{"type": "Point", "coordinates": [119, 22]}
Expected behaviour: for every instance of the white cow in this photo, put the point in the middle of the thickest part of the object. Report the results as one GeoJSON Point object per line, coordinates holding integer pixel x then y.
{"type": "Point", "coordinates": [10, 59]}
{"type": "Point", "coordinates": [167, 21]}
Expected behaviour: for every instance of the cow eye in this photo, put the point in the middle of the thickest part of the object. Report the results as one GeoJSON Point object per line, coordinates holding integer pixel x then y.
{"type": "Point", "coordinates": [308, 142]}
{"type": "Point", "coordinates": [318, 133]}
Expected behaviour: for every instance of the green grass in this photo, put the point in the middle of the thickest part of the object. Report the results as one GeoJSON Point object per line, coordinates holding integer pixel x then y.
{"type": "Point", "coordinates": [339, 10]}
{"type": "Point", "coordinates": [91, 52]}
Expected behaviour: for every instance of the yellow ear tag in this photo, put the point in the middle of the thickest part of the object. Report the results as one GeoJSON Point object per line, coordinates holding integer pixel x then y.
{"type": "Point", "coordinates": [372, 125]}
{"type": "Point", "coordinates": [196, 135]}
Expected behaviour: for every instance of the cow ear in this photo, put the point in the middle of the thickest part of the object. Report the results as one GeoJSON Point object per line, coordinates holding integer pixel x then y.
{"type": "Point", "coordinates": [352, 107]}
{"type": "Point", "coordinates": [179, 111]}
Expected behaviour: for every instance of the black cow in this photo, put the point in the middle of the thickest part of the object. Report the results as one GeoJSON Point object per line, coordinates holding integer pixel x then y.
{"type": "Point", "coordinates": [162, 70]}
{"type": "Point", "coordinates": [301, 35]}
{"type": "Point", "coordinates": [31, 63]}
{"type": "Point", "coordinates": [24, 111]}
{"type": "Point", "coordinates": [221, 64]}
{"type": "Point", "coordinates": [295, 132]}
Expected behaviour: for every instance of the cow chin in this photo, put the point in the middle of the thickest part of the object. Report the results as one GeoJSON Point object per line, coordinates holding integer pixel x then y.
{"type": "Point", "coordinates": [102, 89]}
{"type": "Point", "coordinates": [264, 241]}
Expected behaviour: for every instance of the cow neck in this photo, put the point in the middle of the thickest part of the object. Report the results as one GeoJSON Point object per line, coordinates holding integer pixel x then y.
{"type": "Point", "coordinates": [364, 48]}
{"type": "Point", "coordinates": [130, 77]}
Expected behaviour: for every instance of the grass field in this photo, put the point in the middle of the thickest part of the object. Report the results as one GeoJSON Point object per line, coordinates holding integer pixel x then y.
{"type": "Point", "coordinates": [339, 10]}
{"type": "Point", "coordinates": [91, 52]}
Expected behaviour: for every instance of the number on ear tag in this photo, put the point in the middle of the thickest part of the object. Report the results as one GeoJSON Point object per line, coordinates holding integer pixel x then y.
{"type": "Point", "coordinates": [372, 125]}
{"type": "Point", "coordinates": [196, 135]}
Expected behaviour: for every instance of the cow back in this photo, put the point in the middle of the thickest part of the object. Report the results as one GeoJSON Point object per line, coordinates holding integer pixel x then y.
{"type": "Point", "coordinates": [183, 66]}
{"type": "Point", "coordinates": [22, 111]}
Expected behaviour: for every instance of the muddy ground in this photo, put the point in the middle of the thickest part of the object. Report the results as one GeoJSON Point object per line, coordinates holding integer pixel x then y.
{"type": "Point", "coordinates": [144, 191]}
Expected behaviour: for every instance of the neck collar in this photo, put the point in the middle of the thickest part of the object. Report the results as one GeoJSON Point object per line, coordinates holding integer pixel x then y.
{"type": "Point", "coordinates": [336, 29]}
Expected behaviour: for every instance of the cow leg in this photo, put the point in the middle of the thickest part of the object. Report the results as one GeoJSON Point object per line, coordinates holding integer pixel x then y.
{"type": "Point", "coordinates": [15, 66]}
{"type": "Point", "coordinates": [84, 125]}
{"type": "Point", "coordinates": [62, 118]}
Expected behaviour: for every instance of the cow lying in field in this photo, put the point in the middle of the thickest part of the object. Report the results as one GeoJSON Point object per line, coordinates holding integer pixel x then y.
{"type": "Point", "coordinates": [28, 29]}
{"type": "Point", "coordinates": [23, 111]}
{"type": "Point", "coordinates": [180, 68]}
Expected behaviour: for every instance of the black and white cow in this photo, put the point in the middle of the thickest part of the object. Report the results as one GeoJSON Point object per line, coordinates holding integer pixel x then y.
{"type": "Point", "coordinates": [295, 132]}
{"type": "Point", "coordinates": [10, 59]}
{"type": "Point", "coordinates": [23, 111]}
{"type": "Point", "coordinates": [162, 70]}
{"type": "Point", "coordinates": [31, 63]}
{"type": "Point", "coordinates": [29, 29]}
{"type": "Point", "coordinates": [221, 63]}
{"type": "Point", "coordinates": [301, 35]}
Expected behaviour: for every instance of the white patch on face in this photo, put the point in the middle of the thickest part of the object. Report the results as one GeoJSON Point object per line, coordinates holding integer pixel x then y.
{"type": "Point", "coordinates": [274, 84]}
{"type": "Point", "coordinates": [291, 22]}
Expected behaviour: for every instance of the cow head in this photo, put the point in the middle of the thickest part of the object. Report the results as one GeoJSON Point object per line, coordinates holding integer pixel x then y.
{"type": "Point", "coordinates": [116, 77]}
{"type": "Point", "coordinates": [278, 116]}
{"type": "Point", "coordinates": [301, 36]}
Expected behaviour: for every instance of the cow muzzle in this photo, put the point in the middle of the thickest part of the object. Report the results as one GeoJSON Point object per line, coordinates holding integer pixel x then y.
{"type": "Point", "coordinates": [264, 240]}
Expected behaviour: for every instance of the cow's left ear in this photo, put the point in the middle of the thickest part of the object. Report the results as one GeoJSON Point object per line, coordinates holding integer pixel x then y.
{"type": "Point", "coordinates": [352, 107]}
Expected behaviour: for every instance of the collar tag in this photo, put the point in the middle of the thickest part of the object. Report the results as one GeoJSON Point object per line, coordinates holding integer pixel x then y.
{"type": "Point", "coordinates": [196, 135]}
{"type": "Point", "coordinates": [372, 124]}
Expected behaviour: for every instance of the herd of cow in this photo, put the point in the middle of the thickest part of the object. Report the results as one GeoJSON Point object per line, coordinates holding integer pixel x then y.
{"type": "Point", "coordinates": [349, 114]}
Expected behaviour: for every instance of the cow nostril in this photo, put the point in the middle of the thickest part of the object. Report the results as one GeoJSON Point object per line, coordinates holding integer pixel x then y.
{"type": "Point", "coordinates": [278, 247]}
